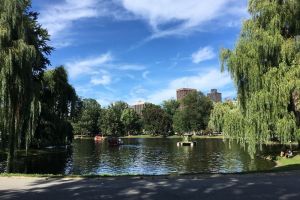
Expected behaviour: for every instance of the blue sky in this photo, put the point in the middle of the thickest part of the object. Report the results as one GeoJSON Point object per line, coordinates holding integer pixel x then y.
{"type": "Point", "coordinates": [135, 50]}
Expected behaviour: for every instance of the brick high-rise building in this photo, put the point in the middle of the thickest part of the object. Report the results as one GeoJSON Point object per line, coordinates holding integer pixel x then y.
{"type": "Point", "coordinates": [182, 92]}
{"type": "Point", "coordinates": [138, 107]}
{"type": "Point", "coordinates": [215, 96]}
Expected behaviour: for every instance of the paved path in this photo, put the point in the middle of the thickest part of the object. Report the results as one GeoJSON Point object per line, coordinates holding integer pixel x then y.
{"type": "Point", "coordinates": [281, 185]}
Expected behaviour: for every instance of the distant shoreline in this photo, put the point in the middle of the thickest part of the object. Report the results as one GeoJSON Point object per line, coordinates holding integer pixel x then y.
{"type": "Point", "coordinates": [158, 137]}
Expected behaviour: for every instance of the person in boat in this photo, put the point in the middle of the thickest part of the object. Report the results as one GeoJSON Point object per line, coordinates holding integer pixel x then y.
{"type": "Point", "coordinates": [98, 138]}
{"type": "Point", "coordinates": [114, 141]}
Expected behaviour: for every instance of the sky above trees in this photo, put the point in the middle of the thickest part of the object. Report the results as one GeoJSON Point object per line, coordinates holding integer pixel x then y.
{"type": "Point", "coordinates": [134, 50]}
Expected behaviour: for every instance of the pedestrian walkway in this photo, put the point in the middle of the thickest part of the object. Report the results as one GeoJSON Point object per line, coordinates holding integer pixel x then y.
{"type": "Point", "coordinates": [280, 185]}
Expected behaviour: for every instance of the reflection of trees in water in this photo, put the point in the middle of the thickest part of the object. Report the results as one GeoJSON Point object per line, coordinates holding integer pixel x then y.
{"type": "Point", "coordinates": [91, 157]}
{"type": "Point", "coordinates": [3, 164]}
{"type": "Point", "coordinates": [149, 156]}
{"type": "Point", "coordinates": [52, 161]}
{"type": "Point", "coordinates": [242, 159]}
{"type": "Point", "coordinates": [153, 156]}
{"type": "Point", "coordinates": [83, 150]}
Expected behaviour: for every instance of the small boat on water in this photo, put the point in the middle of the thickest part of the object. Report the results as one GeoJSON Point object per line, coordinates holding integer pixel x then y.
{"type": "Point", "coordinates": [98, 138]}
{"type": "Point", "coordinates": [114, 141]}
{"type": "Point", "coordinates": [187, 141]}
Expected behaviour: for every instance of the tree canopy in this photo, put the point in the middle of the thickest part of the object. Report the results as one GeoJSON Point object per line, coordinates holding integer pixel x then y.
{"type": "Point", "coordinates": [23, 58]}
{"type": "Point", "coordinates": [111, 123]}
{"type": "Point", "coordinates": [131, 121]}
{"type": "Point", "coordinates": [193, 114]}
{"type": "Point", "coordinates": [87, 123]}
{"type": "Point", "coordinates": [218, 115]}
{"type": "Point", "coordinates": [58, 100]}
{"type": "Point", "coordinates": [265, 67]}
{"type": "Point", "coordinates": [156, 120]}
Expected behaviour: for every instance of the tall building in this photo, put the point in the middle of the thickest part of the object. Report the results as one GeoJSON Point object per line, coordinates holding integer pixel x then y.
{"type": "Point", "coordinates": [215, 96]}
{"type": "Point", "coordinates": [138, 107]}
{"type": "Point", "coordinates": [182, 92]}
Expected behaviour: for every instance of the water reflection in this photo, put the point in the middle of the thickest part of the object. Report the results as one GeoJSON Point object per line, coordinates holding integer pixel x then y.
{"type": "Point", "coordinates": [140, 156]}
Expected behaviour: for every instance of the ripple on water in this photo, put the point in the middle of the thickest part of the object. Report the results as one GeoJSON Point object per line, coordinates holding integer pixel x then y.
{"type": "Point", "coordinates": [142, 156]}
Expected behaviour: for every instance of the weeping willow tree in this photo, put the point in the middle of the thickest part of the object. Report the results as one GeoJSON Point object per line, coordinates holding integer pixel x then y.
{"type": "Point", "coordinates": [265, 66]}
{"type": "Point", "coordinates": [217, 115]}
{"type": "Point", "coordinates": [58, 102]}
{"type": "Point", "coordinates": [23, 51]}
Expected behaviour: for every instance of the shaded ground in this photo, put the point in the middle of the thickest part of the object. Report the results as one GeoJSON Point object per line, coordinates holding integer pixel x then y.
{"type": "Point", "coordinates": [276, 185]}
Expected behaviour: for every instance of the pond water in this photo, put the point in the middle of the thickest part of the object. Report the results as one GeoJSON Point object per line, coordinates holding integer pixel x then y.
{"type": "Point", "coordinates": [140, 156]}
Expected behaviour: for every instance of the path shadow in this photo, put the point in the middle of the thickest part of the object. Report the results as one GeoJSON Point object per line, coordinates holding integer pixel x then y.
{"type": "Point", "coordinates": [276, 185]}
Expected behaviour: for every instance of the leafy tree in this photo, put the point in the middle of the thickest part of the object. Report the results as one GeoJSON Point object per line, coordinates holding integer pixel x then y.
{"type": "Point", "coordinates": [265, 66]}
{"type": "Point", "coordinates": [180, 124]}
{"type": "Point", "coordinates": [58, 99]}
{"type": "Point", "coordinates": [193, 115]}
{"type": "Point", "coordinates": [170, 107]}
{"type": "Point", "coordinates": [111, 123]}
{"type": "Point", "coordinates": [131, 121]}
{"type": "Point", "coordinates": [88, 122]}
{"type": "Point", "coordinates": [217, 116]}
{"type": "Point", "coordinates": [23, 58]}
{"type": "Point", "coordinates": [156, 120]}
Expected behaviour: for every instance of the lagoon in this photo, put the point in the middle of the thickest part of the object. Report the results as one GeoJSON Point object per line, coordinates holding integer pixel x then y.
{"type": "Point", "coordinates": [147, 156]}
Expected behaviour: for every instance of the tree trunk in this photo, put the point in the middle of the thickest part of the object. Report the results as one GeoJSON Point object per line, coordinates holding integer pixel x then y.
{"type": "Point", "coordinates": [11, 149]}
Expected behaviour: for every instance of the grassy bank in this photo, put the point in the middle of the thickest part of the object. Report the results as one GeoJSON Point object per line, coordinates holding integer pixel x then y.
{"type": "Point", "coordinates": [288, 163]}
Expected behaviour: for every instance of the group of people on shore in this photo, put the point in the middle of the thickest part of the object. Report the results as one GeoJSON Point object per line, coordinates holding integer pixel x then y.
{"type": "Point", "coordinates": [286, 153]}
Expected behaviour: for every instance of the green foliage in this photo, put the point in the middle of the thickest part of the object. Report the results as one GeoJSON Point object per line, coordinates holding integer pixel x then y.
{"type": "Point", "coordinates": [170, 107]}
{"type": "Point", "coordinates": [156, 121]}
{"type": "Point", "coordinates": [193, 115]}
{"type": "Point", "coordinates": [23, 51]}
{"type": "Point", "coordinates": [216, 120]}
{"type": "Point", "coordinates": [58, 100]}
{"type": "Point", "coordinates": [180, 124]}
{"type": "Point", "coordinates": [265, 66]}
{"type": "Point", "coordinates": [87, 123]}
{"type": "Point", "coordinates": [111, 123]}
{"type": "Point", "coordinates": [131, 121]}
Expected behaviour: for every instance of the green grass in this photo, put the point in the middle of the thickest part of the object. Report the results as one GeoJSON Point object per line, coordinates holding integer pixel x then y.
{"type": "Point", "coordinates": [282, 161]}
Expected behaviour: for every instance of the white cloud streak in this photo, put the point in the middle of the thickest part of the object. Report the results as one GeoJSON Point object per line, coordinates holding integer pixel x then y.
{"type": "Point", "coordinates": [203, 54]}
{"type": "Point", "coordinates": [103, 80]}
{"type": "Point", "coordinates": [128, 67]}
{"type": "Point", "coordinates": [88, 66]}
{"type": "Point", "coordinates": [177, 17]}
{"type": "Point", "coordinates": [59, 17]}
{"type": "Point", "coordinates": [165, 17]}
{"type": "Point", "coordinates": [145, 75]}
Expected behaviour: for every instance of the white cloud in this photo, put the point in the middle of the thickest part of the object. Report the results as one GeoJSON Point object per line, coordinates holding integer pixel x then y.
{"type": "Point", "coordinates": [128, 67]}
{"type": "Point", "coordinates": [145, 74]}
{"type": "Point", "coordinates": [88, 66]}
{"type": "Point", "coordinates": [203, 54]}
{"type": "Point", "coordinates": [202, 82]}
{"type": "Point", "coordinates": [103, 80]}
{"type": "Point", "coordinates": [165, 17]}
{"type": "Point", "coordinates": [169, 17]}
{"type": "Point", "coordinates": [59, 17]}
